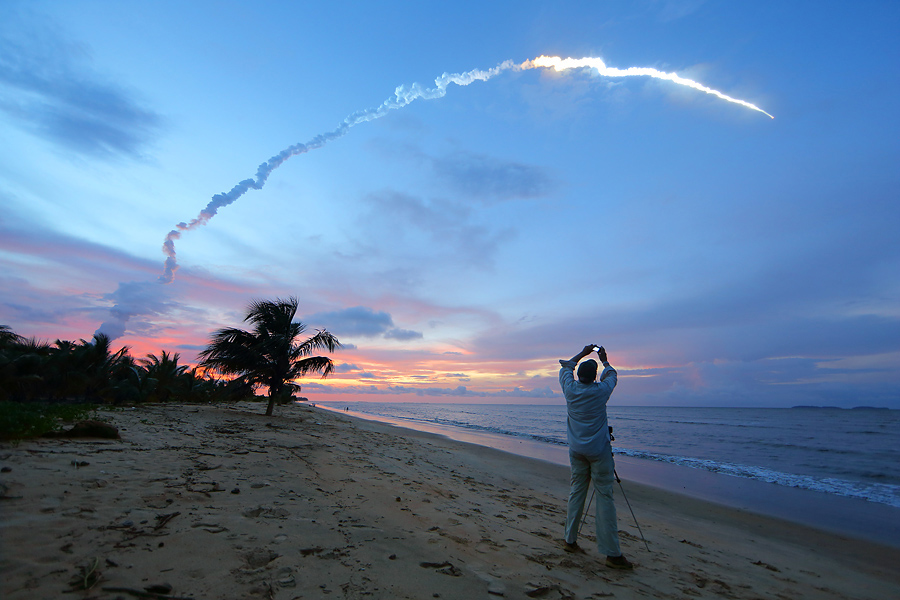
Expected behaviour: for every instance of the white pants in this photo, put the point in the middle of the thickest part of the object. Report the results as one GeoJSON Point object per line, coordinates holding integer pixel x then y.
{"type": "Point", "coordinates": [600, 470]}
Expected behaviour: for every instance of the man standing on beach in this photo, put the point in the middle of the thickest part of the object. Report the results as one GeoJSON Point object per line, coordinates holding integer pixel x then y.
{"type": "Point", "coordinates": [590, 451]}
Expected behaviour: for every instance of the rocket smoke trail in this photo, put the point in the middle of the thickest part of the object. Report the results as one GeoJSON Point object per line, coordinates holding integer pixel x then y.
{"type": "Point", "coordinates": [403, 96]}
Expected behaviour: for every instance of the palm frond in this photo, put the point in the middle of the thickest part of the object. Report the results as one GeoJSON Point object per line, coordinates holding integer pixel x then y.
{"type": "Point", "coordinates": [272, 315]}
{"type": "Point", "coordinates": [313, 364]}
{"type": "Point", "coordinates": [323, 340]}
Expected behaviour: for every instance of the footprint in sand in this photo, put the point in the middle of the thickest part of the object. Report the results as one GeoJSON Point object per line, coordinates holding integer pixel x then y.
{"type": "Point", "coordinates": [444, 568]}
{"type": "Point", "coordinates": [259, 557]}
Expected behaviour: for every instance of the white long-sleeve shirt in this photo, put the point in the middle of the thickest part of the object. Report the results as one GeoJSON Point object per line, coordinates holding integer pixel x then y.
{"type": "Point", "coordinates": [587, 426]}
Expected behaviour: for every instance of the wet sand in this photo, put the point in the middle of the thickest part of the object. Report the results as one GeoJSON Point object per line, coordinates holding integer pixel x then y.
{"type": "Point", "coordinates": [223, 502]}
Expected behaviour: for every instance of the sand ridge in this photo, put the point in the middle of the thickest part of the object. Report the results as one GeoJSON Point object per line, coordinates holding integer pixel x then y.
{"type": "Point", "coordinates": [213, 502]}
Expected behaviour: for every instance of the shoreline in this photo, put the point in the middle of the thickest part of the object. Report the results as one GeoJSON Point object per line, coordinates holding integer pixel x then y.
{"type": "Point", "coordinates": [333, 507]}
{"type": "Point", "coordinates": [861, 519]}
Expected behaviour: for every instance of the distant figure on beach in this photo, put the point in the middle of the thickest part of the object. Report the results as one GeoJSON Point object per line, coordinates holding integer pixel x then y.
{"type": "Point", "coordinates": [590, 451]}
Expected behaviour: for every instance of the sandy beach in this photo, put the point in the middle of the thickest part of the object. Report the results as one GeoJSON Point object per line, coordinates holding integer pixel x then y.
{"type": "Point", "coordinates": [221, 502]}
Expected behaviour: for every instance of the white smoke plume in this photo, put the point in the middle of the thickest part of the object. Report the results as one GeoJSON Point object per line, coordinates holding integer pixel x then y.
{"type": "Point", "coordinates": [403, 95]}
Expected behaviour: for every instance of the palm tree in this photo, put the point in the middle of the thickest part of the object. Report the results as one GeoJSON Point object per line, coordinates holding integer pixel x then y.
{"type": "Point", "coordinates": [99, 367]}
{"type": "Point", "coordinates": [21, 361]}
{"type": "Point", "coordinates": [8, 337]}
{"type": "Point", "coordinates": [165, 373]}
{"type": "Point", "coordinates": [270, 355]}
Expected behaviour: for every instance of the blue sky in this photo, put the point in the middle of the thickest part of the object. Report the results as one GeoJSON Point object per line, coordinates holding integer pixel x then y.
{"type": "Point", "coordinates": [460, 245]}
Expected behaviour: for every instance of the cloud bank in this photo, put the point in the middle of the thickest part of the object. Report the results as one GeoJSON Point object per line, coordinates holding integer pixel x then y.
{"type": "Point", "coordinates": [362, 321]}
{"type": "Point", "coordinates": [457, 392]}
{"type": "Point", "coordinates": [490, 179]}
{"type": "Point", "coordinates": [50, 89]}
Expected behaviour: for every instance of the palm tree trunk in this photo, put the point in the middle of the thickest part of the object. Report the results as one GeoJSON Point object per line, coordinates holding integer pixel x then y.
{"type": "Point", "coordinates": [275, 387]}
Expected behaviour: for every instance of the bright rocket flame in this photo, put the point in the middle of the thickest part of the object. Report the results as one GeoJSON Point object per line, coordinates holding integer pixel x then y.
{"type": "Point", "coordinates": [562, 64]}
{"type": "Point", "coordinates": [403, 96]}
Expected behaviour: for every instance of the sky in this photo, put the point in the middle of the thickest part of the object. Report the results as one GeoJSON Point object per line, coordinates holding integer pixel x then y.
{"type": "Point", "coordinates": [461, 244]}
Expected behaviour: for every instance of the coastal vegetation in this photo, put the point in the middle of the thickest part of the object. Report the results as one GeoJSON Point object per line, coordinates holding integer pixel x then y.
{"type": "Point", "coordinates": [31, 419]}
{"type": "Point", "coordinates": [43, 384]}
{"type": "Point", "coordinates": [91, 372]}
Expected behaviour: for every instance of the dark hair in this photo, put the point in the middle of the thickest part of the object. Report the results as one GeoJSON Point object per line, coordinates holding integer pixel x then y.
{"type": "Point", "coordinates": [587, 371]}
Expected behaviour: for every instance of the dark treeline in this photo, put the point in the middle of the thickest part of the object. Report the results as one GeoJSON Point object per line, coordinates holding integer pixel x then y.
{"type": "Point", "coordinates": [91, 372]}
{"type": "Point", "coordinates": [270, 355]}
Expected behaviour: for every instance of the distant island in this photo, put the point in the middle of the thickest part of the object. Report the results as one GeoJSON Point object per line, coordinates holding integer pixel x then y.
{"type": "Point", "coordinates": [839, 408]}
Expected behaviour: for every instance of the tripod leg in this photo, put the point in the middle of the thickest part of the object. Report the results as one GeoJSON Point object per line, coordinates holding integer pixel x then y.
{"type": "Point", "coordinates": [586, 510]}
{"type": "Point", "coordinates": [632, 510]}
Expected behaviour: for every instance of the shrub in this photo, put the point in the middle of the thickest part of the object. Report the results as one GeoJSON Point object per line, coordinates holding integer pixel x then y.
{"type": "Point", "coordinates": [20, 420]}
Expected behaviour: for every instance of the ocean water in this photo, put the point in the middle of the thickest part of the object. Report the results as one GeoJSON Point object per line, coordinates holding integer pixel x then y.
{"type": "Point", "coordinates": [846, 453]}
